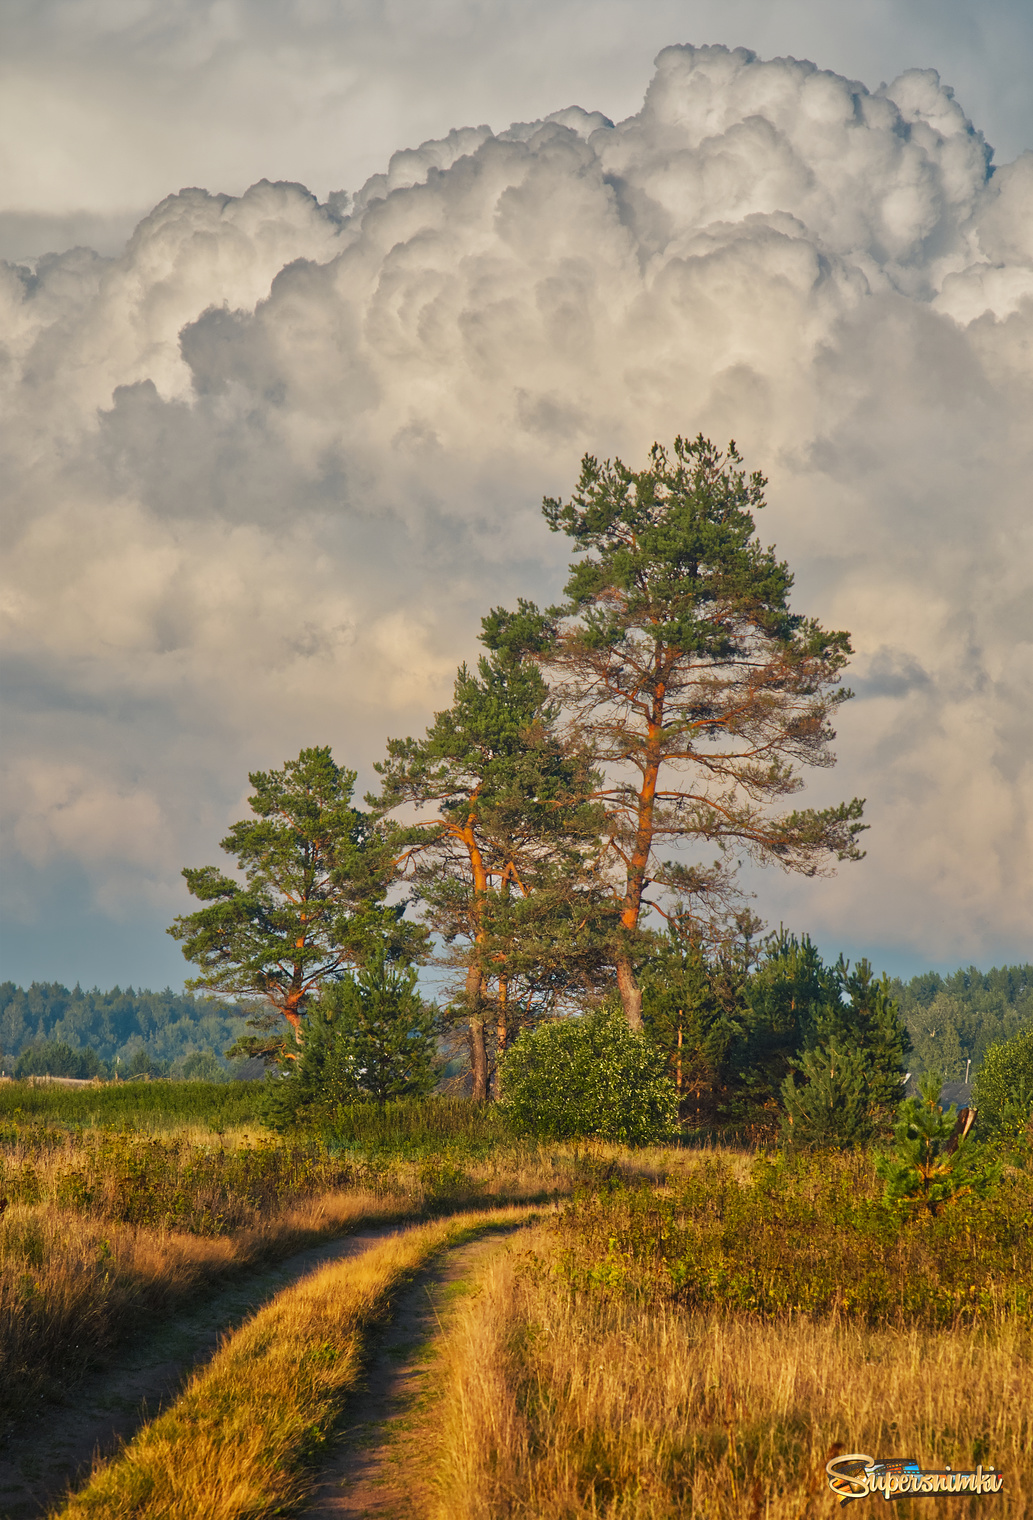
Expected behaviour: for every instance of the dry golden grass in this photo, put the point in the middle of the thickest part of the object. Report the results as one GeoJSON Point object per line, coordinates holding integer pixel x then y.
{"type": "Point", "coordinates": [73, 1288]}
{"type": "Point", "coordinates": [235, 1443]}
{"type": "Point", "coordinates": [103, 1231]}
{"type": "Point", "coordinates": [558, 1405]}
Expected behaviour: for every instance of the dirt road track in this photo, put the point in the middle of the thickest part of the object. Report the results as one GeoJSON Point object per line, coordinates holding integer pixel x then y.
{"type": "Point", "coordinates": [54, 1448]}
{"type": "Point", "coordinates": [379, 1469]}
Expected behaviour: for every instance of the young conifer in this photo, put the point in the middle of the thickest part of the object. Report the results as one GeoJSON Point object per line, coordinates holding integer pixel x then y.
{"type": "Point", "coordinates": [833, 1107]}
{"type": "Point", "coordinates": [369, 1036]}
{"type": "Point", "coordinates": [937, 1159]}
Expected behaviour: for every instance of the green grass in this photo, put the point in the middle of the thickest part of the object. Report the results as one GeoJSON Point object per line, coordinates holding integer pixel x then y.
{"type": "Point", "coordinates": [415, 1130]}
{"type": "Point", "coordinates": [454, 1128]}
{"type": "Point", "coordinates": [806, 1235]}
{"type": "Point", "coordinates": [143, 1105]}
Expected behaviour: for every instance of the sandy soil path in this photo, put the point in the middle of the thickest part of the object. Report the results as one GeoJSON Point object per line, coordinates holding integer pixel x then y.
{"type": "Point", "coordinates": [54, 1449]}
{"type": "Point", "coordinates": [379, 1467]}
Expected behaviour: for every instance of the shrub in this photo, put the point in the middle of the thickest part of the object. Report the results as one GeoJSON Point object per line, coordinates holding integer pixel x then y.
{"type": "Point", "coordinates": [804, 1234]}
{"type": "Point", "coordinates": [588, 1076]}
{"type": "Point", "coordinates": [1004, 1087]}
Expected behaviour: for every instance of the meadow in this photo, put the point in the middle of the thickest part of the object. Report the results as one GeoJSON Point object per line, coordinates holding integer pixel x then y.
{"type": "Point", "coordinates": [704, 1346]}
{"type": "Point", "coordinates": [119, 1205]}
{"type": "Point", "coordinates": [142, 1105]}
{"type": "Point", "coordinates": [672, 1331]}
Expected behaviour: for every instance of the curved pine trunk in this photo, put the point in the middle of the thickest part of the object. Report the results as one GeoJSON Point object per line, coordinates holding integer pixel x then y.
{"type": "Point", "coordinates": [478, 1050]}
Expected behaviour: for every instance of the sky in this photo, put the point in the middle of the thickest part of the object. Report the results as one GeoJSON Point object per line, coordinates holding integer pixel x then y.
{"type": "Point", "coordinates": [274, 442]}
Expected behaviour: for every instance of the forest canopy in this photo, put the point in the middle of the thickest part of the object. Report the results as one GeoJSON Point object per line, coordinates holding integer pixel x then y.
{"type": "Point", "coordinates": [955, 1019]}
{"type": "Point", "coordinates": [169, 1027]}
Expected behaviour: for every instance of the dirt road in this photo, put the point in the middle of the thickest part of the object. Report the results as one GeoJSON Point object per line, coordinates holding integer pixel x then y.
{"type": "Point", "coordinates": [54, 1448]}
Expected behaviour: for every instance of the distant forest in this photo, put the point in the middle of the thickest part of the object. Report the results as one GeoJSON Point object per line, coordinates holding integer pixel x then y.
{"type": "Point", "coordinates": [955, 1019]}
{"type": "Point", "coordinates": [951, 1020]}
{"type": "Point", "coordinates": [123, 1032]}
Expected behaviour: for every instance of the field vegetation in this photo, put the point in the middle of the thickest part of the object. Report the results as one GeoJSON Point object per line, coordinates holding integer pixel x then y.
{"type": "Point", "coordinates": [238, 1440]}
{"type": "Point", "coordinates": [704, 1347]}
{"type": "Point", "coordinates": [145, 1106]}
{"type": "Point", "coordinates": [696, 1332]}
{"type": "Point", "coordinates": [103, 1229]}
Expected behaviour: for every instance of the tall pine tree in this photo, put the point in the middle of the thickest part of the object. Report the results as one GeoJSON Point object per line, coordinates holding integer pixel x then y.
{"type": "Point", "coordinates": [684, 671]}
{"type": "Point", "coordinates": [504, 856]}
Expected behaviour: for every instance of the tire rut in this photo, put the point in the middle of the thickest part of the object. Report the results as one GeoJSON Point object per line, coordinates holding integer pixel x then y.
{"type": "Point", "coordinates": [53, 1449]}
{"type": "Point", "coordinates": [378, 1470]}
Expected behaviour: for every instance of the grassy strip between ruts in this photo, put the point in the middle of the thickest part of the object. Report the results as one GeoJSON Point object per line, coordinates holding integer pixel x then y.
{"type": "Point", "coordinates": [236, 1442]}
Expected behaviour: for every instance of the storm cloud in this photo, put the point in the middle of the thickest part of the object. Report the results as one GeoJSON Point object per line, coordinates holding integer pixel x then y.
{"type": "Point", "coordinates": [268, 467]}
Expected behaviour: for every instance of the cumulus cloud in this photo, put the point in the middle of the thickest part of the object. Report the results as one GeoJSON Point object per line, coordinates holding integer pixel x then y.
{"type": "Point", "coordinates": [271, 464]}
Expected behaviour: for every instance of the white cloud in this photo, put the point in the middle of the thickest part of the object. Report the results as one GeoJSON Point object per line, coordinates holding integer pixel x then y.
{"type": "Point", "coordinates": [271, 465]}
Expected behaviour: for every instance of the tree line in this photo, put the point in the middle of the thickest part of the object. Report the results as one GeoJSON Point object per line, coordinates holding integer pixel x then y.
{"type": "Point", "coordinates": [47, 1028]}
{"type": "Point", "coordinates": [954, 1020]}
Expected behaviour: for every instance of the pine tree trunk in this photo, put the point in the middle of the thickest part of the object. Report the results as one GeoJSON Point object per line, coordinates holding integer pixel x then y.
{"type": "Point", "coordinates": [478, 1061]}
{"type": "Point", "coordinates": [502, 1017]}
{"type": "Point", "coordinates": [478, 1051]}
{"type": "Point", "coordinates": [631, 994]}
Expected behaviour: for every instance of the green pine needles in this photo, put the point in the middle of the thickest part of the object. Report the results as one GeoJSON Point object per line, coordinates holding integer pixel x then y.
{"type": "Point", "coordinates": [316, 875]}
{"type": "Point", "coordinates": [937, 1160]}
{"type": "Point", "coordinates": [852, 1064]}
{"type": "Point", "coordinates": [369, 1037]}
{"type": "Point", "coordinates": [833, 1108]}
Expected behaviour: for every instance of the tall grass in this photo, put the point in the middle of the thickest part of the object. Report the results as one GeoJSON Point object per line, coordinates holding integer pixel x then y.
{"type": "Point", "coordinates": [417, 1128]}
{"type": "Point", "coordinates": [701, 1343]}
{"type": "Point", "coordinates": [236, 1442]}
{"type": "Point", "coordinates": [72, 1293]}
{"type": "Point", "coordinates": [804, 1235]}
{"type": "Point", "coordinates": [562, 1404]}
{"type": "Point", "coordinates": [208, 1185]}
{"type": "Point", "coordinates": [102, 1231]}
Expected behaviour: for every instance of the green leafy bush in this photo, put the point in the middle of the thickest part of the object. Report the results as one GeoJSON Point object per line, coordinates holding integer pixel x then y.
{"type": "Point", "coordinates": [1004, 1087]}
{"type": "Point", "coordinates": [588, 1076]}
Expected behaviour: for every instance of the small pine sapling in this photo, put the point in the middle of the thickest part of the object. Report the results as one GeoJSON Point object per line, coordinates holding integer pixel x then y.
{"type": "Point", "coordinates": [937, 1160]}
{"type": "Point", "coordinates": [834, 1107]}
{"type": "Point", "coordinates": [368, 1037]}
